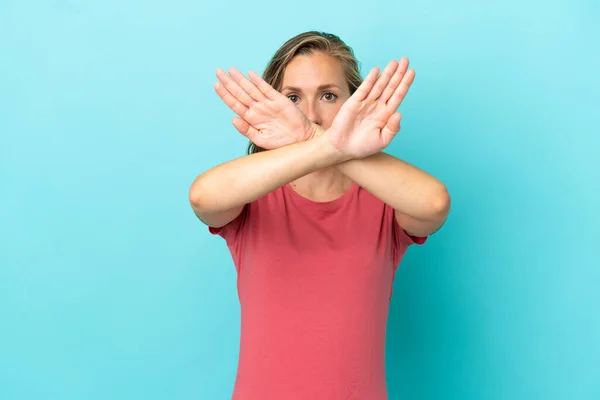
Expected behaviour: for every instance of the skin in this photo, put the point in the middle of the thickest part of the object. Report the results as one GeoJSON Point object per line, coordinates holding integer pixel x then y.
{"type": "Point", "coordinates": [321, 139]}
{"type": "Point", "coordinates": [318, 88]}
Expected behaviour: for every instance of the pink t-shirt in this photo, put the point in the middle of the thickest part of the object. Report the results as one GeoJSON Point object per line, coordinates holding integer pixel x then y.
{"type": "Point", "coordinates": [314, 282]}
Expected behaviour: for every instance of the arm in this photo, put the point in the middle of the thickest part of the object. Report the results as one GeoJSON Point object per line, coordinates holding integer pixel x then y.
{"type": "Point", "coordinates": [218, 195]}
{"type": "Point", "coordinates": [422, 203]}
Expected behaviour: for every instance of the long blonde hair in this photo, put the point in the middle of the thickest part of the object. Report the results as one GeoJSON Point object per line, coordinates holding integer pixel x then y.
{"type": "Point", "coordinates": [307, 43]}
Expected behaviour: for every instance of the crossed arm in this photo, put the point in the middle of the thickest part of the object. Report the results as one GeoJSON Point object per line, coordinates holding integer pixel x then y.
{"type": "Point", "coordinates": [420, 201]}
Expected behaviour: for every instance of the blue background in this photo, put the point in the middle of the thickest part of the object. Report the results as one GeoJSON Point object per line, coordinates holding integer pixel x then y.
{"type": "Point", "coordinates": [111, 289]}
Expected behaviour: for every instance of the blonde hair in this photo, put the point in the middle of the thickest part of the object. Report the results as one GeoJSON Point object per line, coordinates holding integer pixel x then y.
{"type": "Point", "coordinates": [307, 43]}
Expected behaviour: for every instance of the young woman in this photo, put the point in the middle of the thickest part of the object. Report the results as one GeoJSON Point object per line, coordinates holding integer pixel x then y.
{"type": "Point", "coordinates": [317, 219]}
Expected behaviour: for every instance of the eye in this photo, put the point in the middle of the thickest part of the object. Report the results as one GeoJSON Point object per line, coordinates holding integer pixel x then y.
{"type": "Point", "coordinates": [330, 96]}
{"type": "Point", "coordinates": [293, 98]}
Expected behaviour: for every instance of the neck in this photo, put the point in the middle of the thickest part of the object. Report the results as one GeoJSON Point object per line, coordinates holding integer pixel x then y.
{"type": "Point", "coordinates": [322, 183]}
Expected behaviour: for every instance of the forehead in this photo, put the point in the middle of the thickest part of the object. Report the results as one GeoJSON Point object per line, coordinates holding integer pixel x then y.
{"type": "Point", "coordinates": [313, 70]}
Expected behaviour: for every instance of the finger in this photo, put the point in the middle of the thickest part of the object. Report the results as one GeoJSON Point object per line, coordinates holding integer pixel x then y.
{"type": "Point", "coordinates": [395, 81]}
{"type": "Point", "coordinates": [383, 80]}
{"type": "Point", "coordinates": [234, 89]}
{"type": "Point", "coordinates": [365, 87]}
{"type": "Point", "coordinates": [231, 101]}
{"type": "Point", "coordinates": [245, 84]}
{"type": "Point", "coordinates": [401, 90]}
{"type": "Point", "coordinates": [263, 86]}
{"type": "Point", "coordinates": [392, 128]}
{"type": "Point", "coordinates": [243, 127]}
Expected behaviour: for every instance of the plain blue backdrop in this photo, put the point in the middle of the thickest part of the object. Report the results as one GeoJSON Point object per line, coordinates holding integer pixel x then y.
{"type": "Point", "coordinates": [110, 288]}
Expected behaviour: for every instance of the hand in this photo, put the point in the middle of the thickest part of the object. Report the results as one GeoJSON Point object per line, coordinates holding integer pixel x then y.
{"type": "Point", "coordinates": [266, 117]}
{"type": "Point", "coordinates": [368, 121]}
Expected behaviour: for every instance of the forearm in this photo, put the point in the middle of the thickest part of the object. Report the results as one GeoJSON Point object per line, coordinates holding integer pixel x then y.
{"type": "Point", "coordinates": [399, 184]}
{"type": "Point", "coordinates": [248, 178]}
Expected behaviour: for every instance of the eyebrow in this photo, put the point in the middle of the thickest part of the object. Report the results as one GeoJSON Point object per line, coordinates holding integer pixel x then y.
{"type": "Point", "coordinates": [295, 89]}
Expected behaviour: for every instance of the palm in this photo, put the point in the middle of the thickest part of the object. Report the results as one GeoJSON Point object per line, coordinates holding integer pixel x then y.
{"type": "Point", "coordinates": [368, 121]}
{"type": "Point", "coordinates": [273, 123]}
{"type": "Point", "coordinates": [266, 117]}
{"type": "Point", "coordinates": [360, 124]}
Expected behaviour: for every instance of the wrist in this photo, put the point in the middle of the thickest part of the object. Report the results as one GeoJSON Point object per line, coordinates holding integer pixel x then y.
{"type": "Point", "coordinates": [321, 137]}
{"type": "Point", "coordinates": [318, 131]}
{"type": "Point", "coordinates": [315, 131]}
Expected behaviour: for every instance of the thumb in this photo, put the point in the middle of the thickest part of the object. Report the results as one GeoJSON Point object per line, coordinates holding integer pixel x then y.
{"type": "Point", "coordinates": [245, 128]}
{"type": "Point", "coordinates": [242, 126]}
{"type": "Point", "coordinates": [392, 127]}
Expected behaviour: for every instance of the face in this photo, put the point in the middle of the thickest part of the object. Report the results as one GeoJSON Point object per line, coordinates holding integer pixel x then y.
{"type": "Point", "coordinates": [317, 85]}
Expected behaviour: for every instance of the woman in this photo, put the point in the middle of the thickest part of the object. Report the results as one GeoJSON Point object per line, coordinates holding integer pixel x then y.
{"type": "Point", "coordinates": [317, 219]}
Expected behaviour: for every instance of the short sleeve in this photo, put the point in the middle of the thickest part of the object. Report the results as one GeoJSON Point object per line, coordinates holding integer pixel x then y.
{"type": "Point", "coordinates": [401, 239]}
{"type": "Point", "coordinates": [404, 238]}
{"type": "Point", "coordinates": [232, 230]}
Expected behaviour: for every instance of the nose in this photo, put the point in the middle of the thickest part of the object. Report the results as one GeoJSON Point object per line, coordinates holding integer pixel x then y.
{"type": "Point", "coordinates": [313, 113]}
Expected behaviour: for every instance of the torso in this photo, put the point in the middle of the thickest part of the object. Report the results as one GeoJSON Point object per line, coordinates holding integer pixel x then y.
{"type": "Point", "coordinates": [314, 283]}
